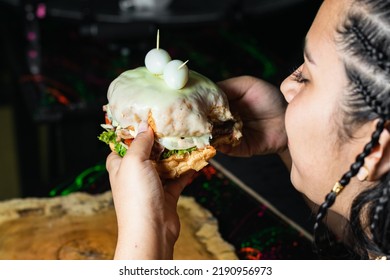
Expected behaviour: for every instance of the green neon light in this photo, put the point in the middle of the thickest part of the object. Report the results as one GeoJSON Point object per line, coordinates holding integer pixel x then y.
{"type": "Point", "coordinates": [81, 181]}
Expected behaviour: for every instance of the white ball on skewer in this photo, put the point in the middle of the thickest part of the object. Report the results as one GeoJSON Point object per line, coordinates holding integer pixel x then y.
{"type": "Point", "coordinates": [156, 59]}
{"type": "Point", "coordinates": [176, 74]}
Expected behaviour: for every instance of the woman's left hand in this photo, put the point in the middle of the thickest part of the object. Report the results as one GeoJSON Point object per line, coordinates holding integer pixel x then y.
{"type": "Point", "coordinates": [148, 224]}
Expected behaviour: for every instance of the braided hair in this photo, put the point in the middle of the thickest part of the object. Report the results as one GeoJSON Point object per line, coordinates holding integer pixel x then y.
{"type": "Point", "coordinates": [364, 39]}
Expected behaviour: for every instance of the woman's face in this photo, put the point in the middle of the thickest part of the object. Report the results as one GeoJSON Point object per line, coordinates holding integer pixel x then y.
{"type": "Point", "coordinates": [313, 118]}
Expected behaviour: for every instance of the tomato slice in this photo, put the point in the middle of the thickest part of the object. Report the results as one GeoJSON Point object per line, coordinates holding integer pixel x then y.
{"type": "Point", "coordinates": [107, 120]}
{"type": "Point", "coordinates": [128, 141]}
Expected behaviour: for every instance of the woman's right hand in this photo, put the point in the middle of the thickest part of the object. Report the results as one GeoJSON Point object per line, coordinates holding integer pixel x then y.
{"type": "Point", "coordinates": [261, 107]}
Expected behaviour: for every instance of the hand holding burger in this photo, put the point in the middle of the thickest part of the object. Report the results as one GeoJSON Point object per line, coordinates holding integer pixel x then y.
{"type": "Point", "coordinates": [165, 121]}
{"type": "Point", "coordinates": [148, 224]}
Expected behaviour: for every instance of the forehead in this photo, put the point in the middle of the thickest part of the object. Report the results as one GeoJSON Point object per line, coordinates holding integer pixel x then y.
{"type": "Point", "coordinates": [320, 40]}
{"type": "Point", "coordinates": [328, 72]}
{"type": "Point", "coordinates": [326, 22]}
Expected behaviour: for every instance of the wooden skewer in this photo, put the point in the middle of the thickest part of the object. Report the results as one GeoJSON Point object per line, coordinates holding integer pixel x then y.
{"type": "Point", "coordinates": [182, 65]}
{"type": "Point", "coordinates": [158, 39]}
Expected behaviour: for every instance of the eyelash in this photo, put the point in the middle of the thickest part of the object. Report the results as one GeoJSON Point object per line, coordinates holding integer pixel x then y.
{"type": "Point", "coordinates": [298, 77]}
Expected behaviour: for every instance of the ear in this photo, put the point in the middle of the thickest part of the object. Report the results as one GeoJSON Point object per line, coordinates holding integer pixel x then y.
{"type": "Point", "coordinates": [378, 161]}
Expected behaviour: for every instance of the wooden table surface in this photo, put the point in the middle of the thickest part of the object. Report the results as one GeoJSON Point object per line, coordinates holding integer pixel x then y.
{"type": "Point", "coordinates": [83, 226]}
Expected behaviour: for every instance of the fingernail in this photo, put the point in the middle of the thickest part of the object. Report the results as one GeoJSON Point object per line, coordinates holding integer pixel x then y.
{"type": "Point", "coordinates": [142, 127]}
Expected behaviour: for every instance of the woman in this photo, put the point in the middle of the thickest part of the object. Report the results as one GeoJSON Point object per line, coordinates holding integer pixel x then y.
{"type": "Point", "coordinates": [334, 135]}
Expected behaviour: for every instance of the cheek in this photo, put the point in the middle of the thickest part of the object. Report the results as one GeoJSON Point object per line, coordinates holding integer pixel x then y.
{"type": "Point", "coordinates": [310, 146]}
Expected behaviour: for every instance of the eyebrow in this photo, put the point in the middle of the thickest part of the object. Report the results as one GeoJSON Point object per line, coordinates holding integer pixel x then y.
{"type": "Point", "coordinates": [307, 53]}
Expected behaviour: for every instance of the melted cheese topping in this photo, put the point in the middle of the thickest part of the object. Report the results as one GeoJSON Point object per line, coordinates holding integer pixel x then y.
{"type": "Point", "coordinates": [180, 143]}
{"type": "Point", "coordinates": [182, 114]}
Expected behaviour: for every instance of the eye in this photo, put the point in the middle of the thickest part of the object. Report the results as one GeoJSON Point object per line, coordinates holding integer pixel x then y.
{"type": "Point", "coordinates": [298, 77]}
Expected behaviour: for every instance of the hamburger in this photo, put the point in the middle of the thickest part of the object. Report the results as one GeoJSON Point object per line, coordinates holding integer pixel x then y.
{"type": "Point", "coordinates": [189, 122]}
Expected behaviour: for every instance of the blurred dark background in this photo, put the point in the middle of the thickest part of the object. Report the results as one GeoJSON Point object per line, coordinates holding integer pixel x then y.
{"type": "Point", "coordinates": [57, 59]}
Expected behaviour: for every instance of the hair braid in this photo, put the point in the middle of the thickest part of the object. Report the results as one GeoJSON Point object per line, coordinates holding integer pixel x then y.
{"type": "Point", "coordinates": [367, 47]}
{"type": "Point", "coordinates": [362, 88]}
{"type": "Point", "coordinates": [345, 179]}
{"type": "Point", "coordinates": [359, 162]}
{"type": "Point", "coordinates": [380, 227]}
{"type": "Point", "coordinates": [376, 202]}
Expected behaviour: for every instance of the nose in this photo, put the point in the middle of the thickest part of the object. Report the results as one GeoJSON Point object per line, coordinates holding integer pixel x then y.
{"type": "Point", "coordinates": [288, 89]}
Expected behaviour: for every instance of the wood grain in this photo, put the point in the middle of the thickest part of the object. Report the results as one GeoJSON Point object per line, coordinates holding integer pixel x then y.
{"type": "Point", "coordinates": [83, 227]}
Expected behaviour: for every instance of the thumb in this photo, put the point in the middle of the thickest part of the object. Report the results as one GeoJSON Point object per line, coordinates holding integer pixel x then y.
{"type": "Point", "coordinates": [142, 144]}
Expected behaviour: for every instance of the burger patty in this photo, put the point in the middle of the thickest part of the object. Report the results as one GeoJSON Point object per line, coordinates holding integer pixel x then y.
{"type": "Point", "coordinates": [222, 129]}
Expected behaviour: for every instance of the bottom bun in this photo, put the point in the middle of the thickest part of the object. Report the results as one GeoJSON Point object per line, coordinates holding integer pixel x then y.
{"type": "Point", "coordinates": [176, 165]}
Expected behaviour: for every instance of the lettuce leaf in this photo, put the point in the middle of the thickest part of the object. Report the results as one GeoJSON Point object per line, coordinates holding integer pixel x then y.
{"type": "Point", "coordinates": [107, 136]}
{"type": "Point", "coordinates": [110, 137]}
{"type": "Point", "coordinates": [168, 153]}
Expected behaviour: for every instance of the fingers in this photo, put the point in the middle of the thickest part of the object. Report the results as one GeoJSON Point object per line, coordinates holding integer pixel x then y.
{"type": "Point", "coordinates": [113, 162]}
{"type": "Point", "coordinates": [235, 88]}
{"type": "Point", "coordinates": [139, 149]}
{"type": "Point", "coordinates": [176, 187]}
{"type": "Point", "coordinates": [141, 146]}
